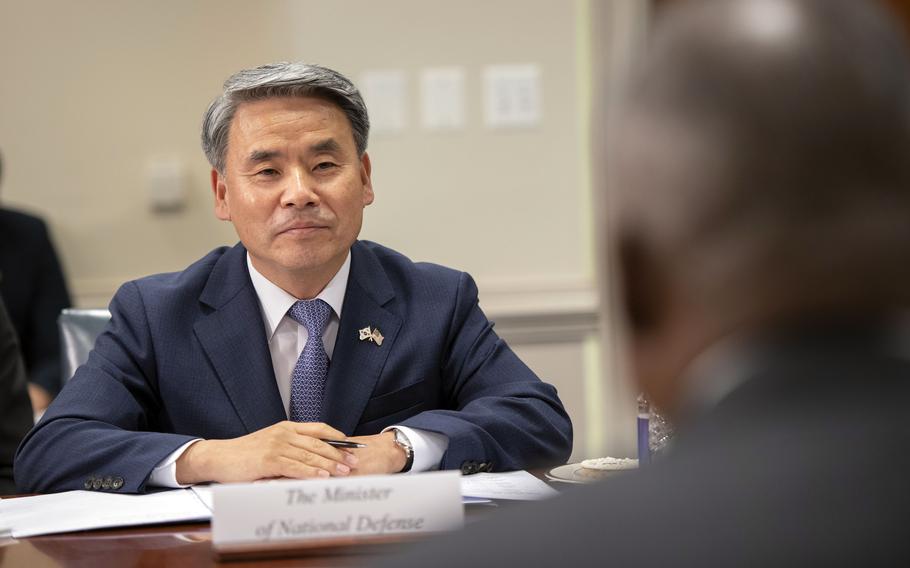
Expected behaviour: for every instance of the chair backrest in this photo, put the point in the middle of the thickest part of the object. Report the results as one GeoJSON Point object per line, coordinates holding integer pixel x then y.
{"type": "Point", "coordinates": [78, 330]}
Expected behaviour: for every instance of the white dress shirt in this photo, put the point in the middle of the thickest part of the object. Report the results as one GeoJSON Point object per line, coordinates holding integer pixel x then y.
{"type": "Point", "coordinates": [287, 338]}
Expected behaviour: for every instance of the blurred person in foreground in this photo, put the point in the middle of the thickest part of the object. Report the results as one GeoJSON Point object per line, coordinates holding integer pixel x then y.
{"type": "Point", "coordinates": [34, 288]}
{"type": "Point", "coordinates": [241, 366]}
{"type": "Point", "coordinates": [762, 229]}
{"type": "Point", "coordinates": [15, 409]}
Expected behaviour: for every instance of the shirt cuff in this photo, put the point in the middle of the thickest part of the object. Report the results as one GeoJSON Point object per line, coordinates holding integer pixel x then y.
{"type": "Point", "coordinates": [428, 447]}
{"type": "Point", "coordinates": [165, 473]}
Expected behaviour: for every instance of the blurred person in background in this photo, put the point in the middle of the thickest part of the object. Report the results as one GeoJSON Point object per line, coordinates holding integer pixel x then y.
{"type": "Point", "coordinates": [761, 223]}
{"type": "Point", "coordinates": [15, 409]}
{"type": "Point", "coordinates": [34, 290]}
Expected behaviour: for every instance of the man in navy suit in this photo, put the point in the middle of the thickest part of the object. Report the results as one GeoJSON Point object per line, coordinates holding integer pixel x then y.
{"type": "Point", "coordinates": [198, 372]}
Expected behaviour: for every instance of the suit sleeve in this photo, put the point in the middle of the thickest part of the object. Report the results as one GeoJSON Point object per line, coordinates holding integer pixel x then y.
{"type": "Point", "coordinates": [500, 413]}
{"type": "Point", "coordinates": [102, 424]}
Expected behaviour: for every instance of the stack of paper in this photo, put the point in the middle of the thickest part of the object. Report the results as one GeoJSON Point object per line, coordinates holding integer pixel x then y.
{"type": "Point", "coordinates": [84, 510]}
{"type": "Point", "coordinates": [516, 485]}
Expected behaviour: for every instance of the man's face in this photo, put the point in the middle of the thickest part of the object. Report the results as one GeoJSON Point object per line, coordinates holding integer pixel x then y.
{"type": "Point", "coordinates": [293, 186]}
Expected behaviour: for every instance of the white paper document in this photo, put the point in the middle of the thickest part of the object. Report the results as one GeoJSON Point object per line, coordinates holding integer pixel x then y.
{"type": "Point", "coordinates": [516, 485]}
{"type": "Point", "coordinates": [204, 493]}
{"type": "Point", "coordinates": [84, 510]}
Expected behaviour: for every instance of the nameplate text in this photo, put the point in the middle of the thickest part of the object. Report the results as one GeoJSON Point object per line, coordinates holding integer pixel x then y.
{"type": "Point", "coordinates": [336, 508]}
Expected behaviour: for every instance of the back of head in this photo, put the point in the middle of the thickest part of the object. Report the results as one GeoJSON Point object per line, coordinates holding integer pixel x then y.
{"type": "Point", "coordinates": [768, 145]}
{"type": "Point", "coordinates": [764, 169]}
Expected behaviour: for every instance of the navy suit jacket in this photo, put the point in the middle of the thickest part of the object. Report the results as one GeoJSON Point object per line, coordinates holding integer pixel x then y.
{"type": "Point", "coordinates": [186, 356]}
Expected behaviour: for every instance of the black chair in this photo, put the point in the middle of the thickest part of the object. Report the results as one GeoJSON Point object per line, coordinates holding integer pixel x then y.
{"type": "Point", "coordinates": [78, 330]}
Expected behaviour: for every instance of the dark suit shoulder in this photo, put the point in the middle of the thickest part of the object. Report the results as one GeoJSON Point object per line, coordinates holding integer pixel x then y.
{"type": "Point", "coordinates": [178, 287]}
{"type": "Point", "coordinates": [406, 273]}
{"type": "Point", "coordinates": [21, 224]}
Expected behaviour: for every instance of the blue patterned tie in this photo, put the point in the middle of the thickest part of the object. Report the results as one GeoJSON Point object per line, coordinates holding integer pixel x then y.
{"type": "Point", "coordinates": [308, 379]}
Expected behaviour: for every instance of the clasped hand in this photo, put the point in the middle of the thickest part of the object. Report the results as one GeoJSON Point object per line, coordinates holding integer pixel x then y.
{"type": "Point", "coordinates": [287, 450]}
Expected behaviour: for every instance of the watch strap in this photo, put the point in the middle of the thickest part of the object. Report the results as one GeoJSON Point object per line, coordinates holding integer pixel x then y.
{"type": "Point", "coordinates": [405, 444]}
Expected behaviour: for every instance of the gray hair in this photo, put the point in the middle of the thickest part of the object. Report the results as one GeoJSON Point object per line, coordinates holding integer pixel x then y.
{"type": "Point", "coordinates": [281, 79]}
{"type": "Point", "coordinates": [759, 164]}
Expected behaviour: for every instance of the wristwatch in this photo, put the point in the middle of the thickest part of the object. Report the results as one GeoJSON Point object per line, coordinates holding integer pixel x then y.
{"type": "Point", "coordinates": [402, 442]}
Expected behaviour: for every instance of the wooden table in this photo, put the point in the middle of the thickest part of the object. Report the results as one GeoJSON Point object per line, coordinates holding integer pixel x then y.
{"type": "Point", "coordinates": [183, 545]}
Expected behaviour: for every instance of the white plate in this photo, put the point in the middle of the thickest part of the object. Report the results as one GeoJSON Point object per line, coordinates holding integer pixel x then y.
{"type": "Point", "coordinates": [567, 474]}
{"type": "Point", "coordinates": [571, 473]}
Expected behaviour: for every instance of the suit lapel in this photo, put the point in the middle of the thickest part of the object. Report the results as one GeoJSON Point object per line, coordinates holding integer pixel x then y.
{"type": "Point", "coordinates": [233, 337]}
{"type": "Point", "coordinates": [356, 365]}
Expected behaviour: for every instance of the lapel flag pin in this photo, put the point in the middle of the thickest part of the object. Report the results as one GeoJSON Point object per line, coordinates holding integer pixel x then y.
{"type": "Point", "coordinates": [372, 335]}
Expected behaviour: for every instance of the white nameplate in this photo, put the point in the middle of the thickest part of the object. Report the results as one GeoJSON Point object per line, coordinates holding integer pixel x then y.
{"type": "Point", "coordinates": [281, 512]}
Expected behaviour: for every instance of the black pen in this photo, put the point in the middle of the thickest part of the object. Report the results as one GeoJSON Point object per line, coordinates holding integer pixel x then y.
{"type": "Point", "coordinates": [343, 443]}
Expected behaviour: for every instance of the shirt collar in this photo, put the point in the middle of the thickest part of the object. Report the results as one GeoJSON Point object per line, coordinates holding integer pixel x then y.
{"type": "Point", "coordinates": [276, 302]}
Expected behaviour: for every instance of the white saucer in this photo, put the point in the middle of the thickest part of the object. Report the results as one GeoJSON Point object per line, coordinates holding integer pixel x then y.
{"type": "Point", "coordinates": [571, 473]}
{"type": "Point", "coordinates": [567, 474]}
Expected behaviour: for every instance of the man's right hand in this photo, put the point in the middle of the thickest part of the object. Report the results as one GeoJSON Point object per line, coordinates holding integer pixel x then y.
{"type": "Point", "coordinates": [287, 449]}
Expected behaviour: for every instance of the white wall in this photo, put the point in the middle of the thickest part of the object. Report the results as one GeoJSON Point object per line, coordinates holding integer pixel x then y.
{"type": "Point", "coordinates": [92, 90]}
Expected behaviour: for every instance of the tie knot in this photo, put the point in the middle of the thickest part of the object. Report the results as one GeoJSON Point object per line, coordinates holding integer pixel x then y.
{"type": "Point", "coordinates": [311, 314]}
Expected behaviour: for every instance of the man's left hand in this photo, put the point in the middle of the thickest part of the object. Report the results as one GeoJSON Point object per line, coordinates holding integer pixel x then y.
{"type": "Point", "coordinates": [382, 454]}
